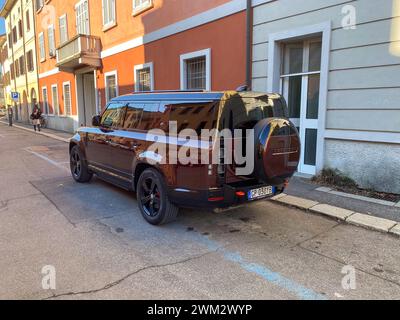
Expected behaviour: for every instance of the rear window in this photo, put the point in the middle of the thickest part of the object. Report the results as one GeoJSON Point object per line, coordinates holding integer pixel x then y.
{"type": "Point", "coordinates": [244, 113]}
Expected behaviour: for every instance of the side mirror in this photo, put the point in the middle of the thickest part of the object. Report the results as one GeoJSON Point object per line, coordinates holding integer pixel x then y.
{"type": "Point", "coordinates": [96, 121]}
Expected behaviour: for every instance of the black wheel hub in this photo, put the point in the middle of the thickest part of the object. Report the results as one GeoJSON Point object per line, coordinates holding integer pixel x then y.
{"type": "Point", "coordinates": [76, 164]}
{"type": "Point", "coordinates": [150, 197]}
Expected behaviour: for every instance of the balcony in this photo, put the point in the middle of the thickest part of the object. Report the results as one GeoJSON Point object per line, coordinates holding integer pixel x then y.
{"type": "Point", "coordinates": [79, 52]}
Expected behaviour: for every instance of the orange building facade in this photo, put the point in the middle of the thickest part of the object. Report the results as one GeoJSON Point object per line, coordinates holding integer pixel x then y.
{"type": "Point", "coordinates": [90, 51]}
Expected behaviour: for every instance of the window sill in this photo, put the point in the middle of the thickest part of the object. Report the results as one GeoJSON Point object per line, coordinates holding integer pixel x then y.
{"type": "Point", "coordinates": [143, 9]}
{"type": "Point", "coordinates": [109, 26]}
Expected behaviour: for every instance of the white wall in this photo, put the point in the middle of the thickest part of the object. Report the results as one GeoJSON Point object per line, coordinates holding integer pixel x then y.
{"type": "Point", "coordinates": [363, 96]}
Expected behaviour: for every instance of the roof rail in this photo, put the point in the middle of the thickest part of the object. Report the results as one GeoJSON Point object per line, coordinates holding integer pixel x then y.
{"type": "Point", "coordinates": [168, 91]}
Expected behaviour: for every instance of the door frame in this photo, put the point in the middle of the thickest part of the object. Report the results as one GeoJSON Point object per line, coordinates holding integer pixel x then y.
{"type": "Point", "coordinates": [274, 72]}
{"type": "Point", "coordinates": [302, 122]}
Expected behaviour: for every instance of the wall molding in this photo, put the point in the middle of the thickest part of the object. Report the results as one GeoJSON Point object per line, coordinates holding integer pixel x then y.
{"type": "Point", "coordinates": [205, 17]}
{"type": "Point", "coordinates": [364, 136]}
{"type": "Point", "coordinates": [49, 73]}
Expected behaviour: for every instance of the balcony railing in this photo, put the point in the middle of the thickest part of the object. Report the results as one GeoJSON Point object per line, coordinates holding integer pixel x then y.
{"type": "Point", "coordinates": [80, 51]}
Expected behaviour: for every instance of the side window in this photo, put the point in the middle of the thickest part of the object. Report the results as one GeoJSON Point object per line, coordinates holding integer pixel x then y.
{"type": "Point", "coordinates": [151, 117]}
{"type": "Point", "coordinates": [114, 116]}
{"type": "Point", "coordinates": [134, 114]}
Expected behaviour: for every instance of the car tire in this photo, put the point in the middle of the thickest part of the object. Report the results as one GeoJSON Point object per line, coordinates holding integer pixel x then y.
{"type": "Point", "coordinates": [78, 165]}
{"type": "Point", "coordinates": [153, 200]}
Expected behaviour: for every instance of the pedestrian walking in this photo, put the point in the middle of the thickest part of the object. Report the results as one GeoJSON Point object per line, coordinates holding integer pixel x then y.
{"type": "Point", "coordinates": [35, 117]}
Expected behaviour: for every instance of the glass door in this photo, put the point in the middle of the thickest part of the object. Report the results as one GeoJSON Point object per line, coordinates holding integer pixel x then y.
{"type": "Point", "coordinates": [300, 83]}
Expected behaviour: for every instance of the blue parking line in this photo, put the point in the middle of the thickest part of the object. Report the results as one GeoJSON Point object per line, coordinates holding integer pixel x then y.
{"type": "Point", "coordinates": [270, 276]}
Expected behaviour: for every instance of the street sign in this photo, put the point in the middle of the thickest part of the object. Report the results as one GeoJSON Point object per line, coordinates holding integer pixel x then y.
{"type": "Point", "coordinates": [15, 96]}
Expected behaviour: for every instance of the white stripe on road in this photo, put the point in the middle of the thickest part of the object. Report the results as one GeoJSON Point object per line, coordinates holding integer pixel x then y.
{"type": "Point", "coordinates": [54, 163]}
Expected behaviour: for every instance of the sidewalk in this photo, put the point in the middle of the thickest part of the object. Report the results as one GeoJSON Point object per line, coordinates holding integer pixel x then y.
{"type": "Point", "coordinates": [55, 134]}
{"type": "Point", "coordinates": [303, 188]}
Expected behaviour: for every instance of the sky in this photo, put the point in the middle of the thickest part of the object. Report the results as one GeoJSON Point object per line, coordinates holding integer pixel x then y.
{"type": "Point", "coordinates": [2, 28]}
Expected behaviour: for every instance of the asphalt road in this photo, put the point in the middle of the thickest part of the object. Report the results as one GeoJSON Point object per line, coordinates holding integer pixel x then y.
{"type": "Point", "coordinates": [100, 246]}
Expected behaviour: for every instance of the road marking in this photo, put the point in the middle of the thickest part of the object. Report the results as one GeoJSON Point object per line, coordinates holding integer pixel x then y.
{"type": "Point", "coordinates": [54, 163]}
{"type": "Point", "coordinates": [270, 276]}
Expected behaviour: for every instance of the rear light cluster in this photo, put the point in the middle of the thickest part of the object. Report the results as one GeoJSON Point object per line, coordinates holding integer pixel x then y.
{"type": "Point", "coordinates": [221, 165]}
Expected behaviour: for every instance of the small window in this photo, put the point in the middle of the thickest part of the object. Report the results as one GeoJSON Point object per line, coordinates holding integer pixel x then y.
{"type": "Point", "coordinates": [133, 117]}
{"type": "Point", "coordinates": [82, 17]}
{"type": "Point", "coordinates": [12, 71]}
{"type": "Point", "coordinates": [67, 98]}
{"type": "Point", "coordinates": [22, 65]}
{"type": "Point", "coordinates": [111, 86]}
{"type": "Point", "coordinates": [41, 47]}
{"type": "Point", "coordinates": [62, 23]}
{"type": "Point", "coordinates": [45, 102]}
{"type": "Point", "coordinates": [108, 12]}
{"type": "Point", "coordinates": [196, 70]}
{"type": "Point", "coordinates": [30, 63]}
{"type": "Point", "coordinates": [196, 73]}
{"type": "Point", "coordinates": [20, 31]}
{"type": "Point", "coordinates": [54, 96]}
{"type": "Point", "coordinates": [114, 115]}
{"type": "Point", "coordinates": [28, 21]}
{"type": "Point", "coordinates": [52, 41]}
{"type": "Point", "coordinates": [17, 69]}
{"type": "Point", "coordinates": [15, 35]}
{"type": "Point", "coordinates": [141, 5]}
{"type": "Point", "coordinates": [144, 77]}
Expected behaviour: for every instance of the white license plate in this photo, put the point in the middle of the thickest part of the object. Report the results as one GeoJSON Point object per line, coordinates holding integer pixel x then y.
{"type": "Point", "coordinates": [260, 193]}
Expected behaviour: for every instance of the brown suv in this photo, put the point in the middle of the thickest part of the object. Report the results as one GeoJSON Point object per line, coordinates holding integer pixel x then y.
{"type": "Point", "coordinates": [175, 149]}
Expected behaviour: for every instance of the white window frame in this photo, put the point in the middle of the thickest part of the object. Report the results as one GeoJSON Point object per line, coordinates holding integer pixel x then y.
{"type": "Point", "coordinates": [106, 75]}
{"type": "Point", "coordinates": [139, 67]}
{"type": "Point", "coordinates": [64, 16]}
{"type": "Point", "coordinates": [42, 48]}
{"type": "Point", "coordinates": [113, 22]}
{"type": "Point", "coordinates": [67, 83]}
{"type": "Point", "coordinates": [56, 110]}
{"type": "Point", "coordinates": [52, 45]}
{"type": "Point", "coordinates": [80, 3]}
{"type": "Point", "coordinates": [274, 72]}
{"type": "Point", "coordinates": [45, 107]}
{"type": "Point", "coordinates": [145, 4]}
{"type": "Point", "coordinates": [197, 54]}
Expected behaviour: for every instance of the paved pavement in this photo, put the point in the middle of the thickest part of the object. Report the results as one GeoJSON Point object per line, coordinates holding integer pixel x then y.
{"type": "Point", "coordinates": [101, 247]}
{"type": "Point", "coordinates": [301, 187]}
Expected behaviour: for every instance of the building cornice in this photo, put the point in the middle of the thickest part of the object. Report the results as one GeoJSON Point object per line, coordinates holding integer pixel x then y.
{"type": "Point", "coordinates": [8, 5]}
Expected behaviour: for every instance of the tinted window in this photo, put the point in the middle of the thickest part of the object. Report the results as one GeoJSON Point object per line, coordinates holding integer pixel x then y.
{"type": "Point", "coordinates": [240, 113]}
{"type": "Point", "coordinates": [193, 116]}
{"type": "Point", "coordinates": [113, 117]}
{"type": "Point", "coordinates": [151, 117]}
{"type": "Point", "coordinates": [134, 114]}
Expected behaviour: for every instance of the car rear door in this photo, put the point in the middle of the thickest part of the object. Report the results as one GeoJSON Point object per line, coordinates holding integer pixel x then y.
{"type": "Point", "coordinates": [98, 149]}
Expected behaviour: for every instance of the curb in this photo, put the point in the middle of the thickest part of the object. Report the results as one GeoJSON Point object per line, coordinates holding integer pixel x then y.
{"type": "Point", "coordinates": [49, 135]}
{"type": "Point", "coordinates": [348, 216]}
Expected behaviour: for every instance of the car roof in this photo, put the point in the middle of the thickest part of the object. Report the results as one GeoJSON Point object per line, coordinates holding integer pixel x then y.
{"type": "Point", "coordinates": [171, 96]}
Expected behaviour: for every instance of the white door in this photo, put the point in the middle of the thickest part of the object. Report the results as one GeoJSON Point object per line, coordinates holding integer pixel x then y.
{"type": "Point", "coordinates": [300, 85]}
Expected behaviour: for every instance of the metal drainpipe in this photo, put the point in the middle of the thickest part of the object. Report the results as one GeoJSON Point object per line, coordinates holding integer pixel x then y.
{"type": "Point", "coordinates": [24, 55]}
{"type": "Point", "coordinates": [12, 57]}
{"type": "Point", "coordinates": [249, 24]}
{"type": "Point", "coordinates": [36, 55]}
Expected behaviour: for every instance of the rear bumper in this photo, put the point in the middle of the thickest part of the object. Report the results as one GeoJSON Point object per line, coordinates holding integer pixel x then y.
{"type": "Point", "coordinates": [226, 196]}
